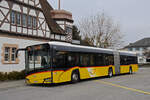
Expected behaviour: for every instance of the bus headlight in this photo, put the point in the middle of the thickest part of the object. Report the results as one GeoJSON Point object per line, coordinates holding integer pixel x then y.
{"type": "Point", "coordinates": [27, 81]}
{"type": "Point", "coordinates": [48, 80]}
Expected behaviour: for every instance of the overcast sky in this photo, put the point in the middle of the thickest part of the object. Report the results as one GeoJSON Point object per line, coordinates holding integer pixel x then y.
{"type": "Point", "coordinates": [132, 15]}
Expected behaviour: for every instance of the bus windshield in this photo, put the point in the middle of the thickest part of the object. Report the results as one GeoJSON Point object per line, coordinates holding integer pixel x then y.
{"type": "Point", "coordinates": [37, 59]}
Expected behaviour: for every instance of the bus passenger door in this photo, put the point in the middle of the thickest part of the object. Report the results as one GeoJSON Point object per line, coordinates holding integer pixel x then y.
{"type": "Point", "coordinates": [52, 54]}
{"type": "Point", "coordinates": [117, 62]}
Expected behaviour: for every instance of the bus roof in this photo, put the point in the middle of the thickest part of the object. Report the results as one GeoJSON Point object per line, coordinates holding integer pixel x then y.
{"type": "Point", "coordinates": [128, 53]}
{"type": "Point", "coordinates": [77, 48]}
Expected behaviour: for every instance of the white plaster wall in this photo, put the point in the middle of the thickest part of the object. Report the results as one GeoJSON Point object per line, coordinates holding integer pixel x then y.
{"type": "Point", "coordinates": [41, 15]}
{"type": "Point", "coordinates": [25, 30]}
{"type": "Point", "coordinates": [34, 32]}
{"type": "Point", "coordinates": [47, 28]}
{"type": "Point", "coordinates": [4, 4]}
{"type": "Point", "coordinates": [52, 36]}
{"type": "Point", "coordinates": [8, 17]}
{"type": "Point", "coordinates": [48, 34]}
{"type": "Point", "coordinates": [60, 22]}
{"type": "Point", "coordinates": [39, 6]}
{"type": "Point", "coordinates": [19, 29]}
{"type": "Point", "coordinates": [5, 26]}
{"type": "Point", "coordinates": [31, 3]}
{"type": "Point", "coordinates": [13, 28]}
{"type": "Point", "coordinates": [62, 26]}
{"type": "Point", "coordinates": [68, 23]}
{"type": "Point", "coordinates": [57, 37]}
{"type": "Point", "coordinates": [25, 10]}
{"type": "Point", "coordinates": [29, 31]}
{"type": "Point", "coordinates": [43, 26]}
{"type": "Point", "coordinates": [21, 0]}
{"type": "Point", "coordinates": [1, 16]}
{"type": "Point", "coordinates": [36, 2]}
{"type": "Point", "coordinates": [5, 11]}
{"type": "Point", "coordinates": [26, 1]}
{"type": "Point", "coordinates": [40, 33]}
{"type": "Point", "coordinates": [32, 12]}
{"type": "Point", "coordinates": [16, 7]}
{"type": "Point", "coordinates": [22, 44]}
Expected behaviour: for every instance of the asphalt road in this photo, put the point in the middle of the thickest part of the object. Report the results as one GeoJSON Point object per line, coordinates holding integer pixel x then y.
{"type": "Point", "coordinates": [123, 87]}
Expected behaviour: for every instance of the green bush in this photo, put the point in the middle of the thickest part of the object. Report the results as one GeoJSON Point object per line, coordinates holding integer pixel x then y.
{"type": "Point", "coordinates": [12, 75]}
{"type": "Point", "coordinates": [3, 76]}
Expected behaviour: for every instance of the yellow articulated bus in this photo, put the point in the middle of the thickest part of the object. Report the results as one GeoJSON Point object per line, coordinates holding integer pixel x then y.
{"type": "Point", "coordinates": [57, 62]}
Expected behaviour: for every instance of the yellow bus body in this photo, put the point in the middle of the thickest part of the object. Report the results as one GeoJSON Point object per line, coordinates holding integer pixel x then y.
{"type": "Point", "coordinates": [60, 76]}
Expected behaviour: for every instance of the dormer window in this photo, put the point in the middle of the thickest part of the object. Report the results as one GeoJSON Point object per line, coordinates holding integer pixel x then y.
{"type": "Point", "coordinates": [13, 17]}
{"type": "Point", "coordinates": [137, 49]}
{"type": "Point", "coordinates": [24, 20]}
{"type": "Point", "coordinates": [18, 19]}
{"type": "Point", "coordinates": [130, 49]}
{"type": "Point", "coordinates": [30, 21]}
{"type": "Point", "coordinates": [34, 22]}
{"type": "Point", "coordinates": [68, 29]}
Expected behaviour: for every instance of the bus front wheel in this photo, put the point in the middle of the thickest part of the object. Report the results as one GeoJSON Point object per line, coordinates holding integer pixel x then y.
{"type": "Point", "coordinates": [75, 77]}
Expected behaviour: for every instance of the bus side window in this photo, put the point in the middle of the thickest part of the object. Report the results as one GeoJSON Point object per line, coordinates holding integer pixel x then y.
{"type": "Point", "coordinates": [130, 60]}
{"type": "Point", "coordinates": [72, 59]}
{"type": "Point", "coordinates": [84, 60]}
{"type": "Point", "coordinates": [99, 59]}
{"type": "Point", "coordinates": [92, 60]}
{"type": "Point", "coordinates": [59, 59]}
{"type": "Point", "coordinates": [76, 59]}
{"type": "Point", "coordinates": [136, 60]}
{"type": "Point", "coordinates": [69, 60]}
{"type": "Point", "coordinates": [43, 62]}
{"type": "Point", "coordinates": [124, 60]}
{"type": "Point", "coordinates": [106, 60]}
{"type": "Point", "coordinates": [110, 59]}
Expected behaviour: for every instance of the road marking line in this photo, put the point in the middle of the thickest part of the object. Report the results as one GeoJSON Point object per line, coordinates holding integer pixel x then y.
{"type": "Point", "coordinates": [123, 87]}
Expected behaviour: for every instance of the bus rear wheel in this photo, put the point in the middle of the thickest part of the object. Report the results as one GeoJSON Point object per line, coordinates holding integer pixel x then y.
{"type": "Point", "coordinates": [110, 72]}
{"type": "Point", "coordinates": [75, 77]}
{"type": "Point", "coordinates": [130, 70]}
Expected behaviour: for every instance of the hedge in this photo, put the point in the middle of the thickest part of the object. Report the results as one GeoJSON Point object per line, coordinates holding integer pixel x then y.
{"type": "Point", "coordinates": [15, 75]}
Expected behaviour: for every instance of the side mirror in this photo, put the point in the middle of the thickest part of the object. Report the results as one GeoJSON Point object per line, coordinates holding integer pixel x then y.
{"type": "Point", "coordinates": [18, 51]}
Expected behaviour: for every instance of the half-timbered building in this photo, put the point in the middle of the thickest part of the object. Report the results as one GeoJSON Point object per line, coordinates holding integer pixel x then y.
{"type": "Point", "coordinates": [29, 22]}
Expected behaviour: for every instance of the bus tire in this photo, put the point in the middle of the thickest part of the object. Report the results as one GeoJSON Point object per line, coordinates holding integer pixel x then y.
{"type": "Point", "coordinates": [110, 72]}
{"type": "Point", "coordinates": [75, 77]}
{"type": "Point", "coordinates": [130, 70]}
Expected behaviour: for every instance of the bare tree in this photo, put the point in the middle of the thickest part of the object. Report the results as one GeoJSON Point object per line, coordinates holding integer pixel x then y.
{"type": "Point", "coordinates": [76, 33]}
{"type": "Point", "coordinates": [100, 31]}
